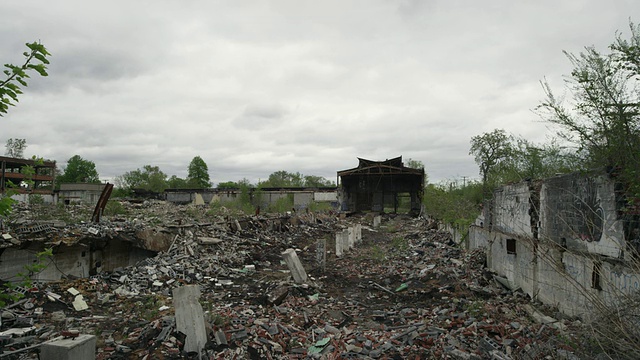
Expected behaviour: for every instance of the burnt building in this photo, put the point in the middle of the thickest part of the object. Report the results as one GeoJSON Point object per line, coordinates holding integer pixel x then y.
{"type": "Point", "coordinates": [382, 186]}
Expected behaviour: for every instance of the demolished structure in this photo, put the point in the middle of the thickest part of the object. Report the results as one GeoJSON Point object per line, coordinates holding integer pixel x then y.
{"type": "Point", "coordinates": [570, 241]}
{"type": "Point", "coordinates": [267, 287]}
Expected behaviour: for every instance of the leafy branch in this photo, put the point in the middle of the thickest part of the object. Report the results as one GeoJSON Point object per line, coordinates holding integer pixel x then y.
{"type": "Point", "coordinates": [36, 60]}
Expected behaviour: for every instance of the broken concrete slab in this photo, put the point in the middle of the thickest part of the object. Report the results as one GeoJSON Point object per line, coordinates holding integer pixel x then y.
{"type": "Point", "coordinates": [190, 317]}
{"type": "Point", "coordinates": [295, 266]}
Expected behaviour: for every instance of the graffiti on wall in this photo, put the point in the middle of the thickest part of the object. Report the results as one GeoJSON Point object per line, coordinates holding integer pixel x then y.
{"type": "Point", "coordinates": [625, 282]}
{"type": "Point", "coordinates": [575, 208]}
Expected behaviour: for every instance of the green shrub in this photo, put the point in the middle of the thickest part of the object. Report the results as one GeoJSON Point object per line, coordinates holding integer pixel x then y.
{"type": "Point", "coordinates": [114, 207]}
{"type": "Point", "coordinates": [281, 205]}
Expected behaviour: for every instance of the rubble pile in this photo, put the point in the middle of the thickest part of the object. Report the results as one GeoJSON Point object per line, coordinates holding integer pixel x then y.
{"type": "Point", "coordinates": [405, 291]}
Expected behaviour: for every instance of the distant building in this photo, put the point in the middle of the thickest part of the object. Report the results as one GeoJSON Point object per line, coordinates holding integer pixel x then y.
{"type": "Point", "coordinates": [80, 193]}
{"type": "Point", "coordinates": [301, 197]}
{"type": "Point", "coordinates": [382, 186]}
{"type": "Point", "coordinates": [11, 176]}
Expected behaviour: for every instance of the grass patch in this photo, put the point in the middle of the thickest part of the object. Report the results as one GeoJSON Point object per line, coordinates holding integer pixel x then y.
{"type": "Point", "coordinates": [399, 243]}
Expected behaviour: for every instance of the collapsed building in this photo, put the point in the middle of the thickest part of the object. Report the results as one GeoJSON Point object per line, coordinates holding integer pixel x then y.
{"type": "Point", "coordinates": [381, 186]}
{"type": "Point", "coordinates": [569, 241]}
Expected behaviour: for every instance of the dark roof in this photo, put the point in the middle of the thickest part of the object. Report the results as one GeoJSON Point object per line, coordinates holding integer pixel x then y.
{"type": "Point", "coordinates": [389, 167]}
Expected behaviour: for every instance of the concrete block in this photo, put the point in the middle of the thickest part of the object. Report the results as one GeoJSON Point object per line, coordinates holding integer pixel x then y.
{"type": "Point", "coordinates": [321, 253]}
{"type": "Point", "coordinates": [82, 347]}
{"type": "Point", "coordinates": [345, 239]}
{"type": "Point", "coordinates": [376, 221]}
{"type": "Point", "coordinates": [351, 236]}
{"type": "Point", "coordinates": [190, 317]}
{"type": "Point", "coordinates": [339, 248]}
{"type": "Point", "coordinates": [295, 266]}
{"type": "Point", "coordinates": [342, 242]}
{"type": "Point", "coordinates": [358, 233]}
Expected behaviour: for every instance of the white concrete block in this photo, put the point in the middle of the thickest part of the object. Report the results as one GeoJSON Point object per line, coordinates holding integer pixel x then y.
{"type": "Point", "coordinates": [295, 266]}
{"type": "Point", "coordinates": [82, 347]}
{"type": "Point", "coordinates": [190, 317]}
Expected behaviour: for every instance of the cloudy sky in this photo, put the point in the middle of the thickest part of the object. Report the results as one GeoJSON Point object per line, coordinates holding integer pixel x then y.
{"type": "Point", "coordinates": [255, 87]}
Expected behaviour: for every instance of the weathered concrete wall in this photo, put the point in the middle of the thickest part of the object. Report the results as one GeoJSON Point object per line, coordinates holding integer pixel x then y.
{"type": "Point", "coordinates": [68, 261]}
{"type": "Point", "coordinates": [511, 212]}
{"type": "Point", "coordinates": [301, 200]}
{"type": "Point", "coordinates": [179, 197]}
{"type": "Point", "coordinates": [76, 260]}
{"type": "Point", "coordinates": [81, 192]}
{"type": "Point", "coordinates": [47, 198]}
{"type": "Point", "coordinates": [478, 239]}
{"type": "Point", "coordinates": [575, 262]}
{"type": "Point", "coordinates": [325, 196]}
{"type": "Point", "coordinates": [579, 212]}
{"type": "Point", "coordinates": [224, 197]}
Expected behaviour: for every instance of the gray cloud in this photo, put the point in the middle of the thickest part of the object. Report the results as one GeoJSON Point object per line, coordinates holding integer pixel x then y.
{"type": "Point", "coordinates": [256, 87]}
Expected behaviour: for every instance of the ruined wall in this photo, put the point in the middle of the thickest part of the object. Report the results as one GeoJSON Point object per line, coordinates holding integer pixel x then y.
{"type": "Point", "coordinates": [79, 260]}
{"type": "Point", "coordinates": [512, 258]}
{"type": "Point", "coordinates": [579, 212]}
{"type": "Point", "coordinates": [576, 262]}
{"type": "Point", "coordinates": [301, 200]}
{"type": "Point", "coordinates": [511, 211]}
{"type": "Point", "coordinates": [325, 196]}
{"type": "Point", "coordinates": [478, 238]}
{"type": "Point", "coordinates": [66, 261]}
{"type": "Point", "coordinates": [24, 198]}
{"type": "Point", "coordinates": [179, 197]}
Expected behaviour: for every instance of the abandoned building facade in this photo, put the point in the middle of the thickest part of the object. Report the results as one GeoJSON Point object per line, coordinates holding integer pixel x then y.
{"type": "Point", "coordinates": [568, 241]}
{"type": "Point", "coordinates": [12, 177]}
{"type": "Point", "coordinates": [381, 186]}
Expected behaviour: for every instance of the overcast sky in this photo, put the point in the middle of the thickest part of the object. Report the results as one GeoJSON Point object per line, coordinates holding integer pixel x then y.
{"type": "Point", "coordinates": [254, 87]}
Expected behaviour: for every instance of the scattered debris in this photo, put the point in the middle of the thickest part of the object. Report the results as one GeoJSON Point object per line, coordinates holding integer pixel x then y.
{"type": "Point", "coordinates": [257, 288]}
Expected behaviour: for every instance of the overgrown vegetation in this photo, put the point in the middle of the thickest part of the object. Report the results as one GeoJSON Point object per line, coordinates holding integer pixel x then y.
{"type": "Point", "coordinates": [282, 204]}
{"type": "Point", "coordinates": [114, 207]}
{"type": "Point", "coordinates": [453, 204]}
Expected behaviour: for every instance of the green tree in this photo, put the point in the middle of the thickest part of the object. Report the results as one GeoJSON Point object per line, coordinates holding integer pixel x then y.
{"type": "Point", "coordinates": [454, 204]}
{"type": "Point", "coordinates": [284, 179]}
{"type": "Point", "coordinates": [15, 148]}
{"type": "Point", "coordinates": [79, 170]}
{"type": "Point", "coordinates": [175, 182]}
{"type": "Point", "coordinates": [316, 181]}
{"type": "Point", "coordinates": [414, 164]}
{"type": "Point", "coordinates": [417, 164]}
{"type": "Point", "coordinates": [627, 52]}
{"type": "Point", "coordinates": [149, 178]}
{"type": "Point", "coordinates": [228, 185]}
{"type": "Point", "coordinates": [490, 150]}
{"type": "Point", "coordinates": [602, 120]}
{"type": "Point", "coordinates": [16, 75]}
{"type": "Point", "coordinates": [534, 161]}
{"type": "Point", "coordinates": [198, 174]}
